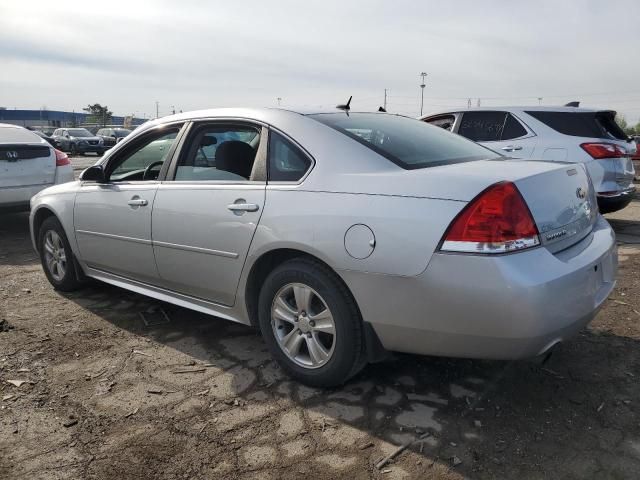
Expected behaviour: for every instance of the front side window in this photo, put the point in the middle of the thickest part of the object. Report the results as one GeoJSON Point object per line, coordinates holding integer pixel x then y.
{"type": "Point", "coordinates": [219, 153]}
{"type": "Point", "coordinates": [442, 121]}
{"type": "Point", "coordinates": [146, 159]}
{"type": "Point", "coordinates": [286, 162]}
{"type": "Point", "coordinates": [407, 142]}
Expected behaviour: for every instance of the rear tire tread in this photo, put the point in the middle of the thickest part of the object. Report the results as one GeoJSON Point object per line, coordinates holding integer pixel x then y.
{"type": "Point", "coordinates": [306, 266]}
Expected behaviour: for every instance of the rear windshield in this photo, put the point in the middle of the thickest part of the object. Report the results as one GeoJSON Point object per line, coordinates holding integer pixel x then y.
{"type": "Point", "coordinates": [17, 135]}
{"type": "Point", "coordinates": [409, 143]}
{"type": "Point", "coordinates": [582, 124]}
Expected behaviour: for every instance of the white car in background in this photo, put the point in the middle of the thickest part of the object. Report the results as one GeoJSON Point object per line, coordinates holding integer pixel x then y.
{"type": "Point", "coordinates": [562, 134]}
{"type": "Point", "coordinates": [28, 164]}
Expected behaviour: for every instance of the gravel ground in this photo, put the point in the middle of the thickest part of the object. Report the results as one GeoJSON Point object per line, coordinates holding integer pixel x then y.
{"type": "Point", "coordinates": [107, 397]}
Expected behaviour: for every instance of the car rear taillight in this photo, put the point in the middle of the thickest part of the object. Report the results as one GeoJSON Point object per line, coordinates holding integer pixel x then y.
{"type": "Point", "coordinates": [61, 158]}
{"type": "Point", "coordinates": [496, 221]}
{"type": "Point", "coordinates": [604, 150]}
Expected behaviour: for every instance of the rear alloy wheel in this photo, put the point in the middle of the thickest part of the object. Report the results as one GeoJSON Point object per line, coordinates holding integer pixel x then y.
{"type": "Point", "coordinates": [56, 256]}
{"type": "Point", "coordinates": [311, 323]}
{"type": "Point", "coordinates": [303, 325]}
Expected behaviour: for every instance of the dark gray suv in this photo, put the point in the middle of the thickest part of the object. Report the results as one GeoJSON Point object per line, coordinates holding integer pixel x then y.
{"type": "Point", "coordinates": [77, 141]}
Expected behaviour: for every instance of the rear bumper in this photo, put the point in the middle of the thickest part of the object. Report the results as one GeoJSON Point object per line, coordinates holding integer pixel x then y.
{"type": "Point", "coordinates": [615, 201]}
{"type": "Point", "coordinates": [18, 198]}
{"type": "Point", "coordinates": [502, 307]}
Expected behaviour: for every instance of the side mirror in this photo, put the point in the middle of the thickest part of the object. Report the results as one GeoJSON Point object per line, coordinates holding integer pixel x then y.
{"type": "Point", "coordinates": [93, 174]}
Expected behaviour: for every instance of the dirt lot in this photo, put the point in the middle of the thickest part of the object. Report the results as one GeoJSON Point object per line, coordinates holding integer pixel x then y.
{"type": "Point", "coordinates": [107, 397]}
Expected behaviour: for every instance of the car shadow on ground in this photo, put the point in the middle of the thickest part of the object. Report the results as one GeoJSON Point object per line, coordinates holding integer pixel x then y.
{"type": "Point", "coordinates": [14, 237]}
{"type": "Point", "coordinates": [497, 418]}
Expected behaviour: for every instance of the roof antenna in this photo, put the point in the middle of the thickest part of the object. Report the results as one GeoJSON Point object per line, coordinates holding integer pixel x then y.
{"type": "Point", "coordinates": [573, 104]}
{"type": "Point", "coordinates": [381, 109]}
{"type": "Point", "coordinates": [346, 106]}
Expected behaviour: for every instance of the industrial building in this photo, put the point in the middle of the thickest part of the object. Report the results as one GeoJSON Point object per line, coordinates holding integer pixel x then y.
{"type": "Point", "coordinates": [51, 119]}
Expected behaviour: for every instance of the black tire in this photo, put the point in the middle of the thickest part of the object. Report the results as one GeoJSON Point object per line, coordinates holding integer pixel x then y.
{"type": "Point", "coordinates": [69, 281]}
{"type": "Point", "coordinates": [348, 356]}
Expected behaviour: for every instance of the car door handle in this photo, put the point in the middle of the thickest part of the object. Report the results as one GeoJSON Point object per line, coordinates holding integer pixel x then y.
{"type": "Point", "coordinates": [137, 202]}
{"type": "Point", "coordinates": [511, 148]}
{"type": "Point", "coordinates": [243, 207]}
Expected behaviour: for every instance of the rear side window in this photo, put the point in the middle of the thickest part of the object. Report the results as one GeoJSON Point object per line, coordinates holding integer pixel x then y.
{"type": "Point", "coordinates": [407, 142]}
{"type": "Point", "coordinates": [286, 162]}
{"type": "Point", "coordinates": [581, 124]}
{"type": "Point", "coordinates": [482, 126]}
{"type": "Point", "coordinates": [490, 126]}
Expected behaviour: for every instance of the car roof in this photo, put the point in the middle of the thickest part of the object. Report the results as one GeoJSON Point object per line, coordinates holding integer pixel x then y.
{"type": "Point", "coordinates": [532, 108]}
{"type": "Point", "coordinates": [252, 112]}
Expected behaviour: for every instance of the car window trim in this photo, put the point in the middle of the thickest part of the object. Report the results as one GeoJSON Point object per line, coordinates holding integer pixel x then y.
{"type": "Point", "coordinates": [193, 125]}
{"type": "Point", "coordinates": [299, 147]}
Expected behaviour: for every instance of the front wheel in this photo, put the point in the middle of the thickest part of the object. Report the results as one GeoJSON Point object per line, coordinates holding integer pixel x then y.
{"type": "Point", "coordinates": [311, 323]}
{"type": "Point", "coordinates": [56, 256]}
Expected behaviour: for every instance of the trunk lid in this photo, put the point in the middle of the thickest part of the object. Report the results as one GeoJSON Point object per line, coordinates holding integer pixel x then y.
{"type": "Point", "coordinates": [25, 158]}
{"type": "Point", "coordinates": [26, 164]}
{"type": "Point", "coordinates": [551, 190]}
{"type": "Point", "coordinates": [563, 204]}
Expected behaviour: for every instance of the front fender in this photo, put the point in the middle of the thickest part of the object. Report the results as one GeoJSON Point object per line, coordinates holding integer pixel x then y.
{"type": "Point", "coordinates": [60, 204]}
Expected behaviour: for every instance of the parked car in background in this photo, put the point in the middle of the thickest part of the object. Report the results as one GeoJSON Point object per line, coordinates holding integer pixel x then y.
{"type": "Point", "coordinates": [111, 136]}
{"type": "Point", "coordinates": [78, 141]}
{"type": "Point", "coordinates": [636, 156]}
{"type": "Point", "coordinates": [28, 164]}
{"type": "Point", "coordinates": [43, 135]}
{"type": "Point", "coordinates": [563, 134]}
{"type": "Point", "coordinates": [340, 236]}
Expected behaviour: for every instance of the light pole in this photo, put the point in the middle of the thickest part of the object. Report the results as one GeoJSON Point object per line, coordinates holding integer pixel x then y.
{"type": "Point", "coordinates": [422, 85]}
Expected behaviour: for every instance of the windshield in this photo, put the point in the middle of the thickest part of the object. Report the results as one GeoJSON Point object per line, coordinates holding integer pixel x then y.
{"type": "Point", "coordinates": [121, 132]}
{"type": "Point", "coordinates": [407, 142]}
{"type": "Point", "coordinates": [80, 132]}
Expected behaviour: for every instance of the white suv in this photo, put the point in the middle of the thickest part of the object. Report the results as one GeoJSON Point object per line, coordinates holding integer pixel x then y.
{"type": "Point", "coordinates": [28, 164]}
{"type": "Point", "coordinates": [562, 134]}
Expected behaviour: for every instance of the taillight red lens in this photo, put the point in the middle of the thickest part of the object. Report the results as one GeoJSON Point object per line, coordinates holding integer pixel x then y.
{"type": "Point", "coordinates": [604, 150]}
{"type": "Point", "coordinates": [496, 221]}
{"type": "Point", "coordinates": [61, 158]}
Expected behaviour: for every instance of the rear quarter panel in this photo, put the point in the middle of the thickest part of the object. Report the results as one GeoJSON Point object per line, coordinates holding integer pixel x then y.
{"type": "Point", "coordinates": [407, 229]}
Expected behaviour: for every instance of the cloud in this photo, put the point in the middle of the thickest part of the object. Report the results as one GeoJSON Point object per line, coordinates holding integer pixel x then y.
{"type": "Point", "coordinates": [195, 54]}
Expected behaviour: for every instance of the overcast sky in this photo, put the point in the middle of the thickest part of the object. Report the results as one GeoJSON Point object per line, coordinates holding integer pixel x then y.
{"type": "Point", "coordinates": [196, 54]}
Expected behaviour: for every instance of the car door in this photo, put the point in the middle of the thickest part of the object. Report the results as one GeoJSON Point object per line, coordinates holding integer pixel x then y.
{"type": "Point", "coordinates": [500, 131]}
{"type": "Point", "coordinates": [206, 212]}
{"type": "Point", "coordinates": [112, 220]}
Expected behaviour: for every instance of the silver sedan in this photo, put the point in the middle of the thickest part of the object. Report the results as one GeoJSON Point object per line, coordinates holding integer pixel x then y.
{"type": "Point", "coordinates": [341, 235]}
